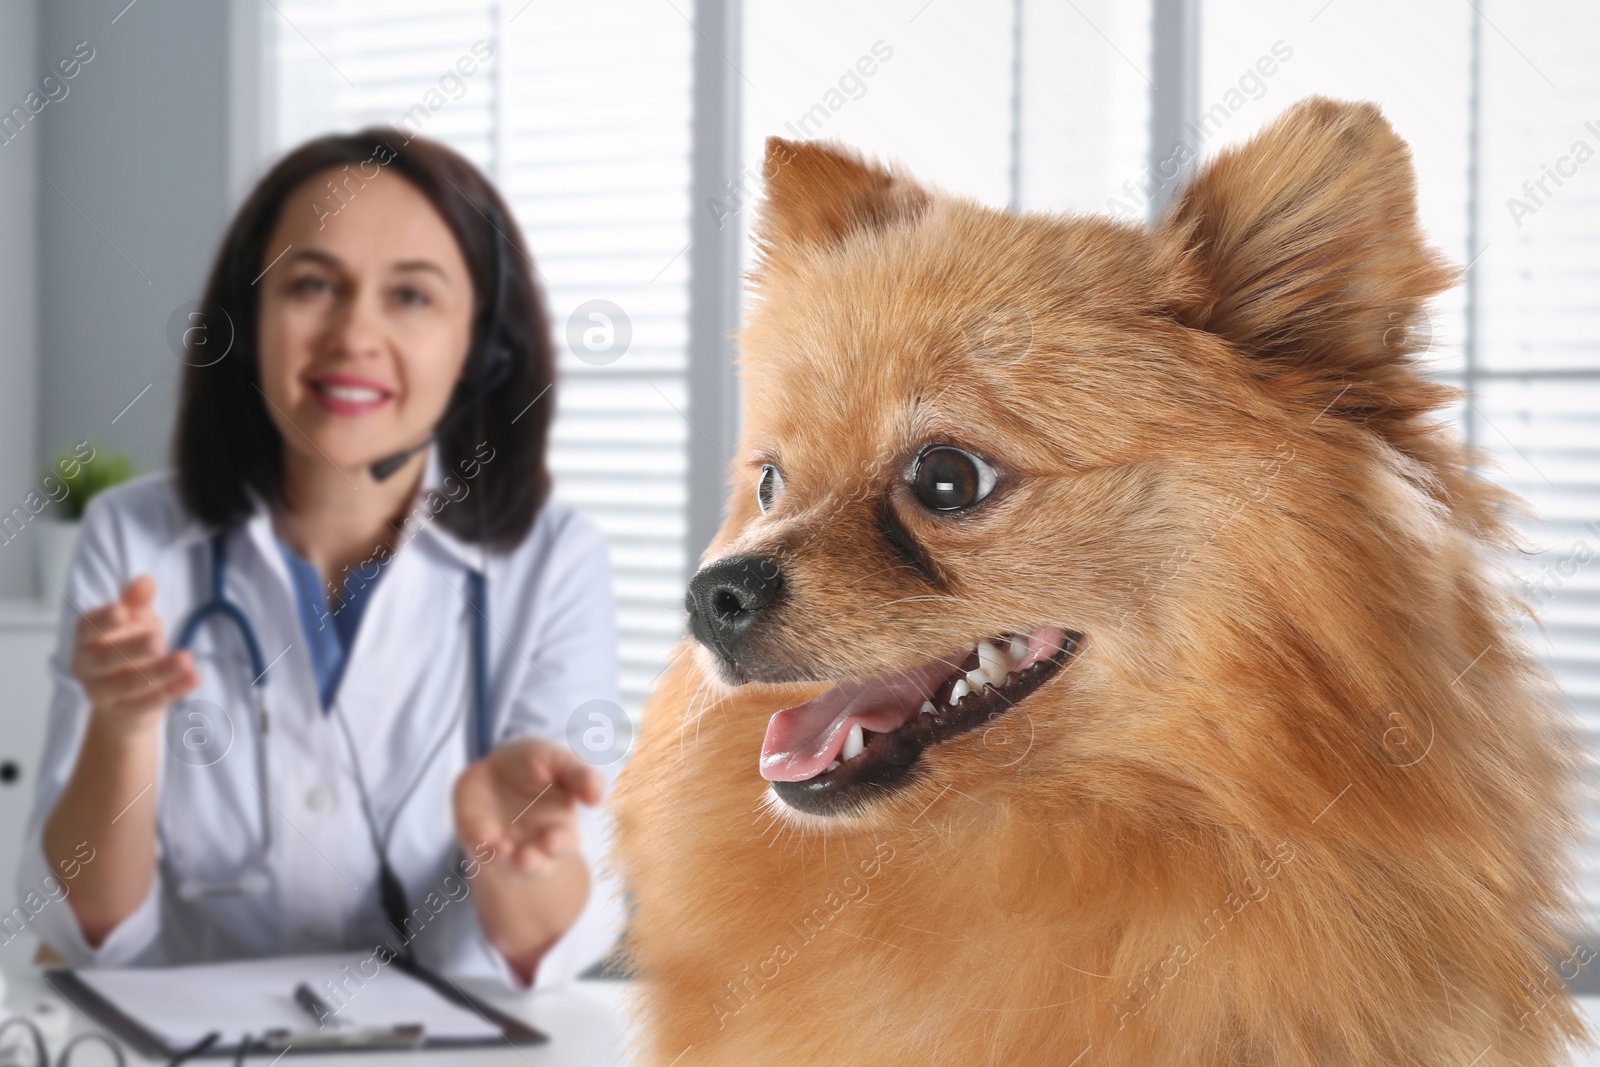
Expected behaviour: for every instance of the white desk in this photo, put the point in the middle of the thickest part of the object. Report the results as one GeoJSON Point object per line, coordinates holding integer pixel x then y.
{"type": "Point", "coordinates": [584, 1021]}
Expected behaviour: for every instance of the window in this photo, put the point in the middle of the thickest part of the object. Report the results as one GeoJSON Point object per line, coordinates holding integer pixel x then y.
{"type": "Point", "coordinates": [1062, 130]}
{"type": "Point", "coordinates": [580, 114]}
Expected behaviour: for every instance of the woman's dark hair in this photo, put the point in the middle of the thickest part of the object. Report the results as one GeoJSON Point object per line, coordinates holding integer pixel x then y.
{"type": "Point", "coordinates": [226, 443]}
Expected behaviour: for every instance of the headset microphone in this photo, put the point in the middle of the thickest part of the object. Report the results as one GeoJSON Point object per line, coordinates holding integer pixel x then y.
{"type": "Point", "coordinates": [382, 469]}
{"type": "Point", "coordinates": [494, 364]}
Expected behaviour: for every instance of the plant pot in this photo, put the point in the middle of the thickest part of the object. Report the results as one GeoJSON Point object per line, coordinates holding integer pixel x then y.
{"type": "Point", "coordinates": [54, 542]}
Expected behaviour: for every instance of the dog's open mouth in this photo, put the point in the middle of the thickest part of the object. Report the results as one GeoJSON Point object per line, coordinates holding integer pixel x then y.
{"type": "Point", "coordinates": [867, 733]}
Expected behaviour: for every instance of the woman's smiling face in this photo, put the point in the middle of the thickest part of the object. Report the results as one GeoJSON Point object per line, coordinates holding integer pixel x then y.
{"type": "Point", "coordinates": [365, 321]}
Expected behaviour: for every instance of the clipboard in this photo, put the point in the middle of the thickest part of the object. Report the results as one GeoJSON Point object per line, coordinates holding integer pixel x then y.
{"type": "Point", "coordinates": [151, 1043]}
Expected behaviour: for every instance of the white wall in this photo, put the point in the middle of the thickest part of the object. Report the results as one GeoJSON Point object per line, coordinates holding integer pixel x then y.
{"type": "Point", "coordinates": [18, 293]}
{"type": "Point", "coordinates": [141, 149]}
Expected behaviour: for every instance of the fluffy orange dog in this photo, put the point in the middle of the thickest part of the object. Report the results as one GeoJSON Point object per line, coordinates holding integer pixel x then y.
{"type": "Point", "coordinates": [1105, 659]}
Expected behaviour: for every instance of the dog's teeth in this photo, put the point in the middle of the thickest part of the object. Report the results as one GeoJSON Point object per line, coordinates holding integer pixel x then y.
{"type": "Point", "coordinates": [959, 690]}
{"type": "Point", "coordinates": [831, 766]}
{"type": "Point", "coordinates": [1019, 647]}
{"type": "Point", "coordinates": [976, 677]}
{"type": "Point", "coordinates": [854, 743]}
{"type": "Point", "coordinates": [992, 661]}
{"type": "Point", "coordinates": [927, 708]}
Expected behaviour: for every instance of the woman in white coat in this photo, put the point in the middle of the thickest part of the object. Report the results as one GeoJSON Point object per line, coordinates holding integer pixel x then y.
{"type": "Point", "coordinates": [359, 475]}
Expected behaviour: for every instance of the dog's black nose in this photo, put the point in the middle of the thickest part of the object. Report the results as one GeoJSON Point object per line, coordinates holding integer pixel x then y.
{"type": "Point", "coordinates": [726, 597]}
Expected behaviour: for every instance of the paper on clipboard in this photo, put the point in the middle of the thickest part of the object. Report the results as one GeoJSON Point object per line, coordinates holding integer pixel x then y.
{"type": "Point", "coordinates": [183, 1004]}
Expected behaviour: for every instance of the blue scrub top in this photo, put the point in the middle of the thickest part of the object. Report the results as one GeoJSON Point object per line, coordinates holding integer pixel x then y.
{"type": "Point", "coordinates": [330, 645]}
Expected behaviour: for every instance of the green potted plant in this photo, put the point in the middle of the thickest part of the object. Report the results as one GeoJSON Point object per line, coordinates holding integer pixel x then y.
{"type": "Point", "coordinates": [70, 482]}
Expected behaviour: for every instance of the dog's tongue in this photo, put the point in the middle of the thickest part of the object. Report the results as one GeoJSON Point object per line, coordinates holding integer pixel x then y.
{"type": "Point", "coordinates": [801, 741]}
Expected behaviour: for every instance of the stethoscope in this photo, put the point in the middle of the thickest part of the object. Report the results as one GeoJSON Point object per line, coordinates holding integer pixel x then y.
{"type": "Point", "coordinates": [255, 877]}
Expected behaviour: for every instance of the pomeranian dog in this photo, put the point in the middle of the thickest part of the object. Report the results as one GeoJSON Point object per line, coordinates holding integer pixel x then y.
{"type": "Point", "coordinates": [1107, 656]}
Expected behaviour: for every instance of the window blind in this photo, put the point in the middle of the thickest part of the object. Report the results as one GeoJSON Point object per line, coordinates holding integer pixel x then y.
{"type": "Point", "coordinates": [581, 117]}
{"type": "Point", "coordinates": [1536, 366]}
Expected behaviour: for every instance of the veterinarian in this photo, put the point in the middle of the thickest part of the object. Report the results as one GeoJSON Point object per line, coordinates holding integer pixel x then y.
{"type": "Point", "coordinates": [314, 686]}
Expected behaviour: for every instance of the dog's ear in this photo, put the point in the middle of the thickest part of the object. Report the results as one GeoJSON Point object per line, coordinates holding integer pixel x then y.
{"type": "Point", "coordinates": [1310, 259]}
{"type": "Point", "coordinates": [818, 194]}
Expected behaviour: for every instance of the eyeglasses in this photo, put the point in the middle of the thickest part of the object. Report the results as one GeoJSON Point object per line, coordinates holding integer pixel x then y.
{"type": "Point", "coordinates": [41, 1055]}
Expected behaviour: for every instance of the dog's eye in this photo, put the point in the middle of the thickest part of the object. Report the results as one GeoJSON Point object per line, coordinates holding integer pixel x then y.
{"type": "Point", "coordinates": [769, 488]}
{"type": "Point", "coordinates": [948, 479]}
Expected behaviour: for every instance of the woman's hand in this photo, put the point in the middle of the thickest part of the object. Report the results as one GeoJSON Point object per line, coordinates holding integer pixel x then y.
{"type": "Point", "coordinates": [520, 800]}
{"type": "Point", "coordinates": [120, 658]}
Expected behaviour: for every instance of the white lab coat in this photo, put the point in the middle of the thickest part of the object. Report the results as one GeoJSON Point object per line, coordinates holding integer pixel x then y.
{"type": "Point", "coordinates": [551, 647]}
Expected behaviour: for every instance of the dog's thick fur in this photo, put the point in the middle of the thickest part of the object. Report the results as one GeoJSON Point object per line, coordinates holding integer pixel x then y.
{"type": "Point", "coordinates": [1302, 797]}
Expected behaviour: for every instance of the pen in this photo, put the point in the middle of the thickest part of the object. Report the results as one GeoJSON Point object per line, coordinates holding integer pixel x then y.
{"type": "Point", "coordinates": [396, 1037]}
{"type": "Point", "coordinates": [315, 1006]}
